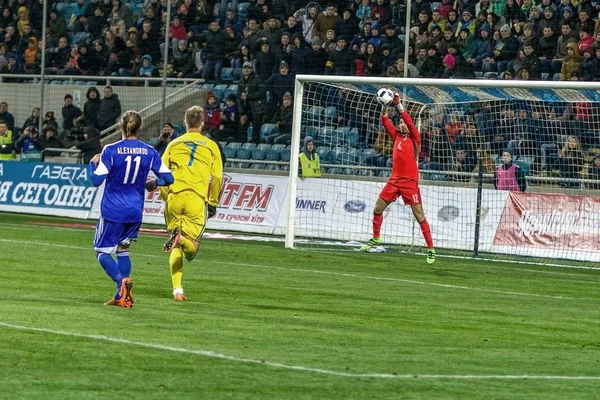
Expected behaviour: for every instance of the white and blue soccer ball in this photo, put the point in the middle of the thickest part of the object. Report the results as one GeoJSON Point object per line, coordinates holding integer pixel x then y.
{"type": "Point", "coordinates": [385, 96]}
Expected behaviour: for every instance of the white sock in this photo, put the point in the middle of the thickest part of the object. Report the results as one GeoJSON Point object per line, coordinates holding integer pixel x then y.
{"type": "Point", "coordinates": [177, 291]}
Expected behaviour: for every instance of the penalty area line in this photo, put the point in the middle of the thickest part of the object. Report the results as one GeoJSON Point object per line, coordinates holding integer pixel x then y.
{"type": "Point", "coordinates": [299, 368]}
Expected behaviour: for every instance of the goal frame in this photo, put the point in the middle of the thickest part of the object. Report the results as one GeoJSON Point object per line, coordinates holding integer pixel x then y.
{"type": "Point", "coordinates": [301, 80]}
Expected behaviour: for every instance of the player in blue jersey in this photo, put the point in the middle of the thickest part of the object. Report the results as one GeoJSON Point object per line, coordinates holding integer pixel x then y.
{"type": "Point", "coordinates": [124, 166]}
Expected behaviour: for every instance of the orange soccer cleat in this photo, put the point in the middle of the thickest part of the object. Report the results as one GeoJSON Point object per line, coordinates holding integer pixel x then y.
{"type": "Point", "coordinates": [179, 297]}
{"type": "Point", "coordinates": [126, 300]}
{"type": "Point", "coordinates": [173, 240]}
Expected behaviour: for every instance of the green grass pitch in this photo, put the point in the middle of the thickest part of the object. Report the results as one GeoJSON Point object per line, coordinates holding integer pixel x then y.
{"type": "Point", "coordinates": [265, 322]}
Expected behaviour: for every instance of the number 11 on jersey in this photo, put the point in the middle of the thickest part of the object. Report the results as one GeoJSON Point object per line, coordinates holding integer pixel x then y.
{"type": "Point", "coordinates": [137, 160]}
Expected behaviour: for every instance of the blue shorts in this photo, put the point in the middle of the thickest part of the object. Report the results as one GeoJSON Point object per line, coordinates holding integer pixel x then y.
{"type": "Point", "coordinates": [110, 234]}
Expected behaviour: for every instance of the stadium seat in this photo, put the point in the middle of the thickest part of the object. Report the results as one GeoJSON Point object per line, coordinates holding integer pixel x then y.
{"type": "Point", "coordinates": [243, 165]}
{"type": "Point", "coordinates": [323, 152]}
{"type": "Point", "coordinates": [249, 133]}
{"type": "Point", "coordinates": [350, 171]}
{"type": "Point", "coordinates": [556, 77]}
{"type": "Point", "coordinates": [478, 74]}
{"type": "Point", "coordinates": [207, 86]}
{"type": "Point", "coordinates": [488, 74]}
{"type": "Point", "coordinates": [62, 8]}
{"type": "Point", "coordinates": [227, 74]}
{"type": "Point", "coordinates": [315, 114]}
{"type": "Point", "coordinates": [274, 152]}
{"type": "Point", "coordinates": [284, 167]}
{"type": "Point", "coordinates": [337, 171]}
{"type": "Point", "coordinates": [137, 9]}
{"type": "Point", "coordinates": [366, 172]}
{"type": "Point", "coordinates": [243, 10]}
{"type": "Point", "coordinates": [331, 114]}
{"type": "Point", "coordinates": [347, 135]}
{"type": "Point", "coordinates": [388, 163]}
{"type": "Point", "coordinates": [327, 136]}
{"type": "Point", "coordinates": [218, 90]}
{"type": "Point", "coordinates": [545, 76]}
{"type": "Point", "coordinates": [260, 151]}
{"type": "Point", "coordinates": [311, 131]}
{"type": "Point", "coordinates": [231, 89]}
{"type": "Point", "coordinates": [78, 37]}
{"type": "Point", "coordinates": [385, 174]}
{"type": "Point", "coordinates": [284, 154]}
{"type": "Point", "coordinates": [365, 155]}
{"type": "Point", "coordinates": [338, 155]}
{"type": "Point", "coordinates": [236, 74]}
{"type": "Point", "coordinates": [245, 152]}
{"type": "Point", "coordinates": [272, 167]}
{"type": "Point", "coordinates": [228, 164]}
{"type": "Point", "coordinates": [231, 149]}
{"type": "Point", "coordinates": [257, 166]}
{"type": "Point", "coordinates": [56, 82]}
{"type": "Point", "coordinates": [267, 130]}
{"type": "Point", "coordinates": [525, 166]}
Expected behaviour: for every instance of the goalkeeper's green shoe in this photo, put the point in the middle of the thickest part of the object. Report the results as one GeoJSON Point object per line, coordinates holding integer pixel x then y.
{"type": "Point", "coordinates": [371, 244]}
{"type": "Point", "coordinates": [430, 256]}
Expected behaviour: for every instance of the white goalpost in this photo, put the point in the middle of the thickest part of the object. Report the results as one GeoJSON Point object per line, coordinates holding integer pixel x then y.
{"type": "Point", "coordinates": [551, 131]}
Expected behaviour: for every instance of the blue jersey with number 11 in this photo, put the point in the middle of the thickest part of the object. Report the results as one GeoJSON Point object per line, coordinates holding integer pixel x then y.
{"type": "Point", "coordinates": [125, 166]}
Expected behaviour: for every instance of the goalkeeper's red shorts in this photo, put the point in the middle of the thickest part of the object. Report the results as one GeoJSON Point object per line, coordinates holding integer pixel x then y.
{"type": "Point", "coordinates": [408, 189]}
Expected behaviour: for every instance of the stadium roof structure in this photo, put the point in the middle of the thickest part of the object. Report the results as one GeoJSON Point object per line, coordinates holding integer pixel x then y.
{"type": "Point", "coordinates": [452, 94]}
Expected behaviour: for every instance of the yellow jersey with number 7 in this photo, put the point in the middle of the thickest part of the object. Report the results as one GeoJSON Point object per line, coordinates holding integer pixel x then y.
{"type": "Point", "coordinates": [195, 162]}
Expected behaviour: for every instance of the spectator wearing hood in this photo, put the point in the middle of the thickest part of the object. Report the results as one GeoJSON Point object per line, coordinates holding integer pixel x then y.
{"type": "Point", "coordinates": [57, 26]}
{"type": "Point", "coordinates": [309, 165]}
{"type": "Point", "coordinates": [70, 113]}
{"type": "Point", "coordinates": [272, 31]}
{"type": "Point", "coordinates": [509, 176]}
{"type": "Point", "coordinates": [265, 61]}
{"type": "Point", "coordinates": [110, 109]}
{"type": "Point", "coordinates": [392, 40]}
{"type": "Point", "coordinates": [212, 114]}
{"type": "Point", "coordinates": [571, 62]}
{"type": "Point", "coordinates": [91, 107]}
{"type": "Point", "coordinates": [183, 64]}
{"type": "Point", "coordinates": [51, 141]}
{"type": "Point", "coordinates": [482, 49]}
{"type": "Point", "coordinates": [594, 173]}
{"type": "Point", "coordinates": [449, 63]}
{"type": "Point", "coordinates": [214, 51]}
{"type": "Point", "coordinates": [252, 95]}
{"type": "Point", "coordinates": [147, 69]}
{"type": "Point", "coordinates": [468, 22]}
{"type": "Point", "coordinates": [280, 82]}
{"type": "Point", "coordinates": [375, 35]}
{"type": "Point", "coordinates": [90, 145]}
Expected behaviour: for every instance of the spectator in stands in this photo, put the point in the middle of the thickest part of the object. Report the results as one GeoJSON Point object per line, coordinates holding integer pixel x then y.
{"type": "Point", "coordinates": [265, 61]}
{"type": "Point", "coordinates": [182, 61]}
{"type": "Point", "coordinates": [110, 109]}
{"type": "Point", "coordinates": [50, 121]}
{"type": "Point", "coordinates": [212, 114]}
{"type": "Point", "coordinates": [507, 50]}
{"type": "Point", "coordinates": [341, 61]}
{"type": "Point", "coordinates": [252, 94]}
{"type": "Point", "coordinates": [7, 151]}
{"type": "Point", "coordinates": [309, 165]}
{"type": "Point", "coordinates": [6, 116]}
{"type": "Point", "coordinates": [11, 37]}
{"type": "Point", "coordinates": [230, 129]}
{"type": "Point", "coordinates": [147, 40]}
{"type": "Point", "coordinates": [96, 22]}
{"type": "Point", "coordinates": [438, 152]}
{"type": "Point", "coordinates": [90, 145]}
{"type": "Point", "coordinates": [325, 21]}
{"type": "Point", "coordinates": [509, 176]}
{"type": "Point", "coordinates": [59, 56]}
{"type": "Point", "coordinates": [571, 63]}
{"type": "Point", "coordinates": [594, 173]}
{"type": "Point", "coordinates": [347, 26]}
{"type": "Point", "coordinates": [316, 59]}
{"type": "Point", "coordinates": [307, 16]}
{"type": "Point", "coordinates": [30, 144]}
{"type": "Point", "coordinates": [167, 134]}
{"type": "Point", "coordinates": [57, 26]}
{"type": "Point", "coordinates": [32, 64]}
{"type": "Point", "coordinates": [33, 120]}
{"type": "Point", "coordinates": [546, 49]}
{"type": "Point", "coordinates": [272, 31]}
{"type": "Point", "coordinates": [91, 108]}
{"type": "Point", "coordinates": [69, 113]}
{"type": "Point", "coordinates": [280, 83]}
{"type": "Point", "coordinates": [215, 51]}
{"type": "Point", "coordinates": [283, 122]}
{"type": "Point", "coordinates": [570, 162]}
{"type": "Point", "coordinates": [463, 162]}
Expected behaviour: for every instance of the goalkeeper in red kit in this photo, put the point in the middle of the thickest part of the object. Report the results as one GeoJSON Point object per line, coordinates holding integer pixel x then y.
{"type": "Point", "coordinates": [404, 181]}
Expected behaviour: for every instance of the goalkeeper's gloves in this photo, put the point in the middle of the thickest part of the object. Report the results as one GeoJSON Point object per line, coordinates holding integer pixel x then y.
{"type": "Point", "coordinates": [212, 211]}
{"type": "Point", "coordinates": [397, 102]}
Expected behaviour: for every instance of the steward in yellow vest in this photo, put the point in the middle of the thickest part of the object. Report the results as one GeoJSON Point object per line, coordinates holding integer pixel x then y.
{"type": "Point", "coordinates": [7, 150]}
{"type": "Point", "coordinates": [310, 165]}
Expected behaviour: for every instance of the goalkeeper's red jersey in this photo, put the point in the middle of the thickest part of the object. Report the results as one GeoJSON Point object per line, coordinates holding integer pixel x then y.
{"type": "Point", "coordinates": [406, 149]}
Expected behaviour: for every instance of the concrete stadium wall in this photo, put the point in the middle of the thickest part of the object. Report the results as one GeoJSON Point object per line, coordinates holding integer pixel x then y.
{"type": "Point", "coordinates": [22, 98]}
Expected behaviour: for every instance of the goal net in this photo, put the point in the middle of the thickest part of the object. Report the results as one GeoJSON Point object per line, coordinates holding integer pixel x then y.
{"type": "Point", "coordinates": [507, 169]}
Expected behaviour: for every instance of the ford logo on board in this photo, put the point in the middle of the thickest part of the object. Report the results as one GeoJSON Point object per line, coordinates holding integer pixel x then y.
{"type": "Point", "coordinates": [355, 206]}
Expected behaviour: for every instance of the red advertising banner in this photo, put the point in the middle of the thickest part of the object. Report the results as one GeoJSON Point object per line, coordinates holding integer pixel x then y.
{"type": "Point", "coordinates": [550, 222]}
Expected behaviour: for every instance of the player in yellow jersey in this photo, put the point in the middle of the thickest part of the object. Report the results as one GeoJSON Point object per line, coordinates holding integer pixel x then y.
{"type": "Point", "coordinates": [195, 162]}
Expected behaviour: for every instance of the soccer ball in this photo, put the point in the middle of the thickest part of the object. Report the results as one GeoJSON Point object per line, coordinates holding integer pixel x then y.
{"type": "Point", "coordinates": [385, 96]}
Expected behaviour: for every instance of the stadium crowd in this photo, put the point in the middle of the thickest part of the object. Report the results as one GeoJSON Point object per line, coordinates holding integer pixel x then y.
{"type": "Point", "coordinates": [264, 43]}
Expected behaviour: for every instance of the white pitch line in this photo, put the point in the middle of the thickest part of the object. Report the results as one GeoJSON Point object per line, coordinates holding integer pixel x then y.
{"type": "Point", "coordinates": [370, 277]}
{"type": "Point", "coordinates": [322, 371]}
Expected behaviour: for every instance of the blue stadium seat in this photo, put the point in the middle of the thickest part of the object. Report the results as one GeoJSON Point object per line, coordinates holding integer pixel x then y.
{"type": "Point", "coordinates": [242, 165]}
{"type": "Point", "coordinates": [62, 8]}
{"type": "Point", "coordinates": [284, 153]}
{"type": "Point", "coordinates": [284, 167]}
{"type": "Point", "coordinates": [323, 152]}
{"type": "Point", "coordinates": [80, 83]}
{"type": "Point", "coordinates": [366, 172]}
{"type": "Point", "coordinates": [272, 167]}
{"type": "Point", "coordinates": [223, 144]}
{"type": "Point", "coordinates": [556, 77]}
{"type": "Point", "coordinates": [137, 9]}
{"type": "Point", "coordinates": [245, 152]}
{"type": "Point", "coordinates": [328, 136]}
{"type": "Point", "coordinates": [315, 114]}
{"type": "Point", "coordinates": [331, 114]}
{"type": "Point", "coordinates": [56, 82]}
{"type": "Point", "coordinates": [274, 152]}
{"type": "Point", "coordinates": [243, 10]}
{"type": "Point", "coordinates": [260, 151]}
{"type": "Point", "coordinates": [267, 130]}
{"type": "Point", "coordinates": [257, 166]}
{"type": "Point", "coordinates": [385, 174]}
{"type": "Point", "coordinates": [478, 74]}
{"type": "Point", "coordinates": [545, 76]}
{"type": "Point", "coordinates": [312, 131]}
{"type": "Point", "coordinates": [231, 89]}
{"type": "Point", "coordinates": [78, 37]}
{"type": "Point", "coordinates": [207, 86]}
{"type": "Point", "coordinates": [227, 74]}
{"type": "Point", "coordinates": [218, 90]}
{"type": "Point", "coordinates": [350, 171]}
{"type": "Point", "coordinates": [228, 164]}
{"type": "Point", "coordinates": [237, 74]}
{"type": "Point", "coordinates": [249, 133]}
{"type": "Point", "coordinates": [231, 149]}
{"type": "Point", "coordinates": [347, 136]}
{"type": "Point", "coordinates": [91, 83]}
{"type": "Point", "coordinates": [337, 171]}
{"type": "Point", "coordinates": [525, 166]}
{"type": "Point", "coordinates": [365, 155]}
{"type": "Point", "coordinates": [338, 155]}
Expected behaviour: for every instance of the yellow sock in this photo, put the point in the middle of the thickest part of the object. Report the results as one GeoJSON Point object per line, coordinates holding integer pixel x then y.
{"type": "Point", "coordinates": [176, 265]}
{"type": "Point", "coordinates": [189, 250]}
